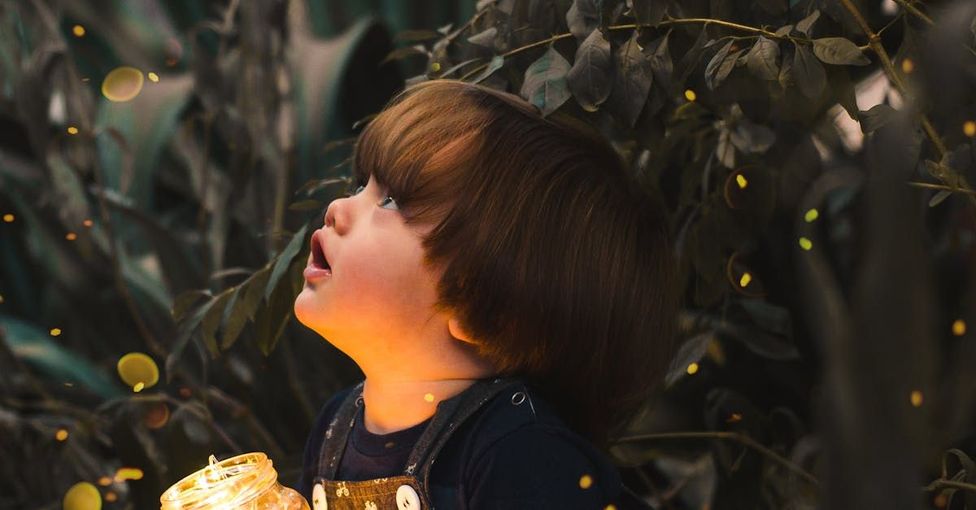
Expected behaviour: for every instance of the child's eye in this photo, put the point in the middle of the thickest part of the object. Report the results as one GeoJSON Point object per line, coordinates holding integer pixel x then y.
{"type": "Point", "coordinates": [389, 200]}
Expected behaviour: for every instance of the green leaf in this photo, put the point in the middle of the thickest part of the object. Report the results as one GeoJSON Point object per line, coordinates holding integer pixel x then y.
{"type": "Point", "coordinates": [725, 150]}
{"type": "Point", "coordinates": [485, 38]}
{"type": "Point", "coordinates": [590, 77]}
{"type": "Point", "coordinates": [691, 351]}
{"type": "Point", "coordinates": [761, 59]}
{"type": "Point", "coordinates": [283, 260]}
{"type": "Point", "coordinates": [402, 53]}
{"type": "Point", "coordinates": [545, 82]}
{"type": "Point", "coordinates": [808, 72]}
{"type": "Point", "coordinates": [271, 319]}
{"type": "Point", "coordinates": [184, 301]}
{"type": "Point", "coordinates": [416, 35]}
{"type": "Point", "coordinates": [839, 51]}
{"type": "Point", "coordinates": [939, 197]}
{"type": "Point", "coordinates": [632, 80]}
{"type": "Point", "coordinates": [721, 65]}
{"type": "Point", "coordinates": [877, 116]}
{"type": "Point", "coordinates": [246, 301]}
{"type": "Point", "coordinates": [211, 319]}
{"type": "Point", "coordinates": [582, 18]}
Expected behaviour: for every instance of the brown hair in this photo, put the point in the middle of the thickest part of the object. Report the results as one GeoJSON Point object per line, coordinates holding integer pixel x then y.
{"type": "Point", "coordinates": [555, 260]}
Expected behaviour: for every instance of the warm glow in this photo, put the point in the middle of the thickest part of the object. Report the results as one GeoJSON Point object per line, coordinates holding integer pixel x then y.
{"type": "Point", "coordinates": [692, 368]}
{"type": "Point", "coordinates": [138, 370]}
{"type": "Point", "coordinates": [959, 327]}
{"type": "Point", "coordinates": [87, 223]}
{"type": "Point", "coordinates": [969, 128]}
{"type": "Point", "coordinates": [916, 398]}
{"type": "Point", "coordinates": [736, 417]}
{"type": "Point", "coordinates": [436, 66]}
{"type": "Point", "coordinates": [71, 236]}
{"type": "Point", "coordinates": [72, 130]}
{"type": "Point", "coordinates": [811, 215]}
{"type": "Point", "coordinates": [690, 95]}
{"type": "Point", "coordinates": [128, 473]}
{"type": "Point", "coordinates": [741, 181]}
{"type": "Point", "coordinates": [586, 481]}
{"type": "Point", "coordinates": [104, 481]}
{"type": "Point", "coordinates": [907, 66]}
{"type": "Point", "coordinates": [61, 434]}
{"type": "Point", "coordinates": [744, 281]}
{"type": "Point", "coordinates": [122, 84]}
{"type": "Point", "coordinates": [82, 496]}
{"type": "Point", "coordinates": [110, 496]}
{"type": "Point", "coordinates": [9, 218]}
{"type": "Point", "coordinates": [153, 77]}
{"type": "Point", "coordinates": [429, 397]}
{"type": "Point", "coordinates": [805, 243]}
{"type": "Point", "coordinates": [55, 331]}
{"type": "Point", "coordinates": [78, 30]}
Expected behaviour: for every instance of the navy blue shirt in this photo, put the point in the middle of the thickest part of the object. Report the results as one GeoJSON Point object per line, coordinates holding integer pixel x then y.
{"type": "Point", "coordinates": [505, 456]}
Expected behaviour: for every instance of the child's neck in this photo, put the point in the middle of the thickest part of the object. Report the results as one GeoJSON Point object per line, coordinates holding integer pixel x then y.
{"type": "Point", "coordinates": [393, 405]}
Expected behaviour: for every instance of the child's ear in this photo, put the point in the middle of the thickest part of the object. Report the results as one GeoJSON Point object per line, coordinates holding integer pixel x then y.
{"type": "Point", "coordinates": [454, 326]}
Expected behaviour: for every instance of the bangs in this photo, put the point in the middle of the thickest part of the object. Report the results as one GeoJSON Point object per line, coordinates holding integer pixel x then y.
{"type": "Point", "coordinates": [419, 149]}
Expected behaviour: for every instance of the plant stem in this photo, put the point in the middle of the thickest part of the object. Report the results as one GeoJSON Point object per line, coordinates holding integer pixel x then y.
{"type": "Point", "coordinates": [734, 436]}
{"type": "Point", "coordinates": [914, 10]}
{"type": "Point", "coordinates": [940, 187]}
{"type": "Point", "coordinates": [949, 484]}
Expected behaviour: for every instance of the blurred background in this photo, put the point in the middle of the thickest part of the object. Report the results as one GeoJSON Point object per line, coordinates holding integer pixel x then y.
{"type": "Point", "coordinates": [162, 165]}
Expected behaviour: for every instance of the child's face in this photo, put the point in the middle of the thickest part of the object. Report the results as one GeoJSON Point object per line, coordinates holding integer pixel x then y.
{"type": "Point", "coordinates": [379, 295]}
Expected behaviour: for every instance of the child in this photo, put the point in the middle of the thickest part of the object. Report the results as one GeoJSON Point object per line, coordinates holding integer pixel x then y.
{"type": "Point", "coordinates": [507, 291]}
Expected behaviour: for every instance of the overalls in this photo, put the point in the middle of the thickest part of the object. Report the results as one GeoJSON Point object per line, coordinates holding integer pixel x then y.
{"type": "Point", "coordinates": [408, 491]}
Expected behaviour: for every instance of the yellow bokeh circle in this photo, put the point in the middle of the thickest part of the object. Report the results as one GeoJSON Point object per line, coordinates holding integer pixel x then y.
{"type": "Point", "coordinates": [122, 84]}
{"type": "Point", "coordinates": [138, 368]}
{"type": "Point", "coordinates": [82, 496]}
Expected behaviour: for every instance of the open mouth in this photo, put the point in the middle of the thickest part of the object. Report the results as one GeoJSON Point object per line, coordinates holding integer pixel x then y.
{"type": "Point", "coordinates": [318, 255]}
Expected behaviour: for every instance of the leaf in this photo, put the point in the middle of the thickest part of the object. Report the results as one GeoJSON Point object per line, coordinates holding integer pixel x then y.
{"type": "Point", "coordinates": [784, 30]}
{"type": "Point", "coordinates": [661, 63]}
{"type": "Point", "coordinates": [761, 59]}
{"type": "Point", "coordinates": [416, 35]}
{"type": "Point", "coordinates": [284, 258]}
{"type": "Point", "coordinates": [402, 53]}
{"type": "Point", "coordinates": [806, 23]}
{"type": "Point", "coordinates": [939, 197]}
{"type": "Point", "coordinates": [877, 116]}
{"type": "Point", "coordinates": [721, 65]}
{"type": "Point", "coordinates": [839, 51]}
{"type": "Point", "coordinates": [725, 150]}
{"type": "Point", "coordinates": [590, 78]}
{"type": "Point", "coordinates": [691, 351]}
{"type": "Point", "coordinates": [211, 319]}
{"type": "Point", "coordinates": [271, 319]}
{"type": "Point", "coordinates": [582, 18]}
{"type": "Point", "coordinates": [496, 63]}
{"type": "Point", "coordinates": [808, 72]}
{"type": "Point", "coordinates": [750, 137]}
{"type": "Point", "coordinates": [649, 12]}
{"type": "Point", "coordinates": [690, 59]}
{"type": "Point", "coordinates": [632, 81]}
{"type": "Point", "coordinates": [453, 69]}
{"type": "Point", "coordinates": [484, 38]}
{"type": "Point", "coordinates": [185, 300]}
{"type": "Point", "coordinates": [545, 82]}
{"type": "Point", "coordinates": [246, 300]}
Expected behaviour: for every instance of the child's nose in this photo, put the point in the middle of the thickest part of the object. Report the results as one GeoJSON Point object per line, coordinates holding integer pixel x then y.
{"type": "Point", "coordinates": [336, 215]}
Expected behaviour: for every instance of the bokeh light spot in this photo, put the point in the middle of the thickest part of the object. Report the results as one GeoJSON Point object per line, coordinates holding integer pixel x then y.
{"type": "Point", "coordinates": [692, 369]}
{"type": "Point", "coordinates": [87, 223]}
{"type": "Point", "coordinates": [745, 279]}
{"type": "Point", "coordinates": [811, 215]}
{"type": "Point", "coordinates": [139, 387]}
{"type": "Point", "coordinates": [9, 218]}
{"type": "Point", "coordinates": [916, 398]}
{"type": "Point", "coordinates": [805, 243]}
{"type": "Point", "coordinates": [907, 66]}
{"type": "Point", "coordinates": [71, 236]}
{"type": "Point", "coordinates": [122, 84]}
{"type": "Point", "coordinates": [586, 481]}
{"type": "Point", "coordinates": [1, 298]}
{"type": "Point", "coordinates": [153, 77]}
{"type": "Point", "coordinates": [735, 418]}
{"type": "Point", "coordinates": [82, 496]}
{"type": "Point", "coordinates": [959, 327]}
{"type": "Point", "coordinates": [969, 128]}
{"type": "Point", "coordinates": [741, 181]}
{"type": "Point", "coordinates": [128, 473]}
{"type": "Point", "coordinates": [429, 397]}
{"type": "Point", "coordinates": [61, 434]}
{"type": "Point", "coordinates": [55, 331]}
{"type": "Point", "coordinates": [436, 66]}
{"type": "Point", "coordinates": [610, 507]}
{"type": "Point", "coordinates": [157, 416]}
{"type": "Point", "coordinates": [110, 496]}
{"type": "Point", "coordinates": [72, 130]}
{"type": "Point", "coordinates": [690, 95]}
{"type": "Point", "coordinates": [104, 481]}
{"type": "Point", "coordinates": [138, 368]}
{"type": "Point", "coordinates": [78, 30]}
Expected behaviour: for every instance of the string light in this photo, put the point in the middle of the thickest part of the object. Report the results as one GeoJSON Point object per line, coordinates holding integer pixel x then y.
{"type": "Point", "coordinates": [586, 481]}
{"type": "Point", "coordinates": [741, 181]}
{"type": "Point", "coordinates": [78, 30]}
{"type": "Point", "coordinates": [429, 397]}
{"type": "Point", "coordinates": [805, 243]}
{"type": "Point", "coordinates": [87, 223]}
{"type": "Point", "coordinates": [690, 95]}
{"type": "Point", "coordinates": [744, 281]}
{"type": "Point", "coordinates": [9, 218]}
{"type": "Point", "coordinates": [71, 236]}
{"type": "Point", "coordinates": [692, 368]}
{"type": "Point", "coordinates": [811, 215]}
{"type": "Point", "coordinates": [907, 66]}
{"type": "Point", "coordinates": [153, 77]}
{"type": "Point", "coordinates": [72, 130]}
{"type": "Point", "coordinates": [55, 331]}
{"type": "Point", "coordinates": [969, 128]}
{"type": "Point", "coordinates": [959, 327]}
{"type": "Point", "coordinates": [916, 398]}
{"type": "Point", "coordinates": [61, 435]}
{"type": "Point", "coordinates": [82, 496]}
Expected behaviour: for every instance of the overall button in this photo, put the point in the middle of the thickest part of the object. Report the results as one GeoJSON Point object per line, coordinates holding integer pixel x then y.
{"type": "Point", "coordinates": [318, 497]}
{"type": "Point", "coordinates": [407, 498]}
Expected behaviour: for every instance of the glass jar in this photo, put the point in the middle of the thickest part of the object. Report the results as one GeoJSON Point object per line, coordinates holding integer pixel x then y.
{"type": "Point", "coordinates": [246, 482]}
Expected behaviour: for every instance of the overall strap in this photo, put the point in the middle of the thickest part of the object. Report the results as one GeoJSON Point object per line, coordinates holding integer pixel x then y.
{"type": "Point", "coordinates": [338, 431]}
{"type": "Point", "coordinates": [451, 413]}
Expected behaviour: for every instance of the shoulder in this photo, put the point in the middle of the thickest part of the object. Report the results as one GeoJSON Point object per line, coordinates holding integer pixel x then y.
{"type": "Point", "coordinates": [316, 437]}
{"type": "Point", "coordinates": [522, 455]}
